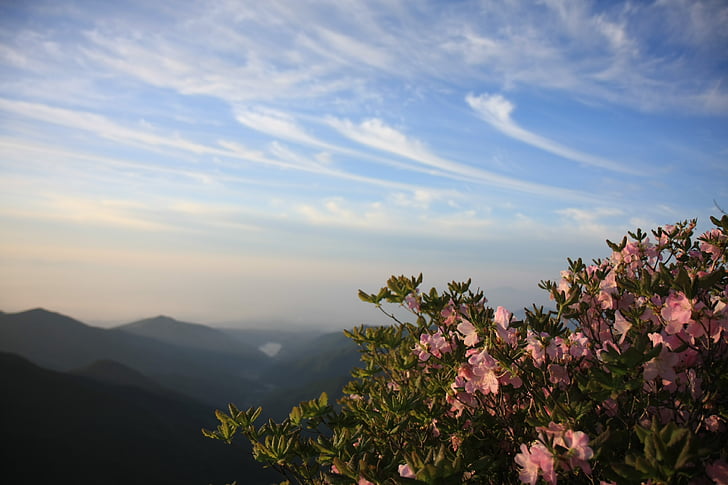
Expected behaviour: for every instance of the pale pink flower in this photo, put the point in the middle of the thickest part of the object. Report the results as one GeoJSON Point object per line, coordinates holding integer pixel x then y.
{"type": "Point", "coordinates": [662, 366]}
{"type": "Point", "coordinates": [435, 345]}
{"type": "Point", "coordinates": [579, 345]}
{"type": "Point", "coordinates": [406, 472]}
{"type": "Point", "coordinates": [705, 246]}
{"type": "Point", "coordinates": [364, 481]}
{"type": "Point", "coordinates": [558, 374]}
{"type": "Point", "coordinates": [676, 312]}
{"type": "Point", "coordinates": [577, 443]}
{"type": "Point", "coordinates": [510, 379]}
{"type": "Point", "coordinates": [502, 320]}
{"type": "Point", "coordinates": [534, 461]}
{"type": "Point", "coordinates": [449, 313]}
{"type": "Point", "coordinates": [469, 332]}
{"type": "Point", "coordinates": [482, 374]}
{"type": "Point", "coordinates": [536, 348]}
{"type": "Point", "coordinates": [621, 326]}
{"type": "Point", "coordinates": [557, 348]}
{"type": "Point", "coordinates": [413, 302]}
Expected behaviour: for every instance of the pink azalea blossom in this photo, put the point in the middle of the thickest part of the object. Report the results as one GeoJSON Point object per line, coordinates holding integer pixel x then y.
{"type": "Point", "coordinates": [435, 345]}
{"type": "Point", "coordinates": [406, 472]}
{"type": "Point", "coordinates": [534, 461]}
{"type": "Point", "coordinates": [502, 320]}
{"type": "Point", "coordinates": [714, 235]}
{"type": "Point", "coordinates": [662, 366]}
{"type": "Point", "coordinates": [578, 345]}
{"type": "Point", "coordinates": [577, 442]}
{"type": "Point", "coordinates": [469, 332]}
{"type": "Point", "coordinates": [558, 375]}
{"type": "Point", "coordinates": [481, 373]}
{"type": "Point", "coordinates": [536, 348]}
{"type": "Point", "coordinates": [364, 481]}
{"type": "Point", "coordinates": [621, 325]}
{"type": "Point", "coordinates": [676, 312]}
{"type": "Point", "coordinates": [413, 303]}
{"type": "Point", "coordinates": [450, 314]}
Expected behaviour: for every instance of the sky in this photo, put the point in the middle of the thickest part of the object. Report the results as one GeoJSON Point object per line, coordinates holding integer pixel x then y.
{"type": "Point", "coordinates": [260, 162]}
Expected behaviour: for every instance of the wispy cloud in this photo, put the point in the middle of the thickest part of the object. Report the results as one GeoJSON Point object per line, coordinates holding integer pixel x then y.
{"type": "Point", "coordinates": [376, 134]}
{"type": "Point", "coordinates": [496, 111]}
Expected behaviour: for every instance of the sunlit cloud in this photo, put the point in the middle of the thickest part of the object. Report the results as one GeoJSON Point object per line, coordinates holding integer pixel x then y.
{"type": "Point", "coordinates": [496, 111]}
{"type": "Point", "coordinates": [376, 134]}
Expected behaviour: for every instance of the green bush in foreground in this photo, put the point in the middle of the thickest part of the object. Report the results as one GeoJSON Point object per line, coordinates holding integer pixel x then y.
{"type": "Point", "coordinates": [624, 383]}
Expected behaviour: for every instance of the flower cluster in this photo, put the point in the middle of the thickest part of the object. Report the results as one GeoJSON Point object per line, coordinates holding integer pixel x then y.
{"type": "Point", "coordinates": [624, 382]}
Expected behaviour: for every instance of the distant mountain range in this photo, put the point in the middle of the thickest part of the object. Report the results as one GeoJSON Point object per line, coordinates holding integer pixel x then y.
{"type": "Point", "coordinates": [68, 429]}
{"type": "Point", "coordinates": [189, 335]}
{"type": "Point", "coordinates": [136, 396]}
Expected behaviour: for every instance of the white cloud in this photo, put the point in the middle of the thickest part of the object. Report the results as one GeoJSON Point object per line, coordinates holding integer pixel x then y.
{"type": "Point", "coordinates": [376, 134]}
{"type": "Point", "coordinates": [277, 124]}
{"type": "Point", "coordinates": [496, 111]}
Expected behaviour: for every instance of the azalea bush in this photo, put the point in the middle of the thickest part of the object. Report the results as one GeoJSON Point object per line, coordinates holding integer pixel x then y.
{"type": "Point", "coordinates": [624, 382]}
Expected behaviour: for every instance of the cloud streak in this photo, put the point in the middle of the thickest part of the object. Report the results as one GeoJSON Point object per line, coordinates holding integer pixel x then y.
{"type": "Point", "coordinates": [496, 111]}
{"type": "Point", "coordinates": [374, 133]}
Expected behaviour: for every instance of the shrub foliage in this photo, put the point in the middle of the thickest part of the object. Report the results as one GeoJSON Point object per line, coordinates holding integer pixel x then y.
{"type": "Point", "coordinates": [625, 382]}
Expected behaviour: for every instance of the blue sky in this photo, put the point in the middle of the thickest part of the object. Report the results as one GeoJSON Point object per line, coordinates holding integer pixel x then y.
{"type": "Point", "coordinates": [262, 161]}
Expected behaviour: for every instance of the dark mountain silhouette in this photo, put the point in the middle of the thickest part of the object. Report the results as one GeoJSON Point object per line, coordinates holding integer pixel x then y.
{"type": "Point", "coordinates": [61, 343]}
{"type": "Point", "coordinates": [328, 355]}
{"type": "Point", "coordinates": [113, 372]}
{"type": "Point", "coordinates": [323, 364]}
{"type": "Point", "coordinates": [290, 340]}
{"type": "Point", "coordinates": [192, 335]}
{"type": "Point", "coordinates": [62, 428]}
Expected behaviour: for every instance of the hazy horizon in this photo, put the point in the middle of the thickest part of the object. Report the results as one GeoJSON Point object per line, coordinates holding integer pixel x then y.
{"type": "Point", "coordinates": [263, 161]}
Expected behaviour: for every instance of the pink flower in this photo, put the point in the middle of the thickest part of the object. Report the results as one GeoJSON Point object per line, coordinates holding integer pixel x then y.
{"type": "Point", "coordinates": [577, 443]}
{"type": "Point", "coordinates": [662, 366]}
{"type": "Point", "coordinates": [676, 312]}
{"type": "Point", "coordinates": [621, 326]}
{"type": "Point", "coordinates": [469, 333]}
{"type": "Point", "coordinates": [534, 461]}
{"type": "Point", "coordinates": [449, 313]}
{"type": "Point", "coordinates": [558, 374]}
{"type": "Point", "coordinates": [578, 345]}
{"type": "Point", "coordinates": [482, 374]}
{"type": "Point", "coordinates": [364, 481]}
{"type": "Point", "coordinates": [536, 348]}
{"type": "Point", "coordinates": [406, 472]}
{"type": "Point", "coordinates": [502, 320]}
{"type": "Point", "coordinates": [413, 303]}
{"type": "Point", "coordinates": [714, 235]}
{"type": "Point", "coordinates": [435, 344]}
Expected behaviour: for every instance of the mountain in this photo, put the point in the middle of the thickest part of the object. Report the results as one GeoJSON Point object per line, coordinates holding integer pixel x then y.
{"type": "Point", "coordinates": [115, 373]}
{"type": "Point", "coordinates": [62, 428]}
{"type": "Point", "coordinates": [328, 355]}
{"type": "Point", "coordinates": [262, 338]}
{"type": "Point", "coordinates": [322, 364]}
{"type": "Point", "coordinates": [61, 343]}
{"type": "Point", "coordinates": [191, 335]}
